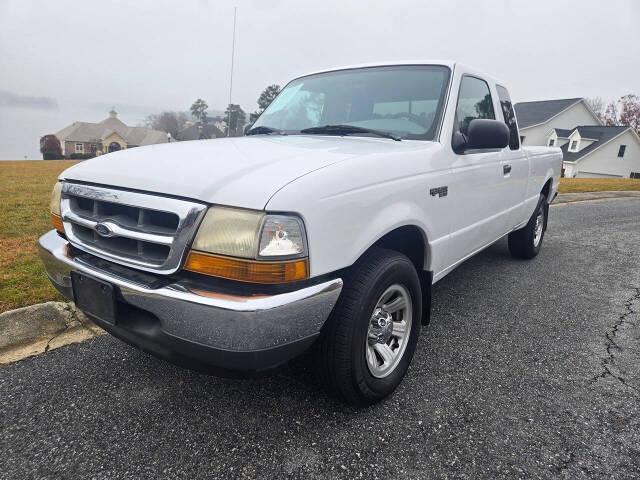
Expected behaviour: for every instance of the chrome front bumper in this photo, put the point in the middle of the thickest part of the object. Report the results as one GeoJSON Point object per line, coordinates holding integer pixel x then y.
{"type": "Point", "coordinates": [193, 324]}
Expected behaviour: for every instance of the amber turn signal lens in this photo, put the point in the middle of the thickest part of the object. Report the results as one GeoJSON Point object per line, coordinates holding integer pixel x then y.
{"type": "Point", "coordinates": [247, 270]}
{"type": "Point", "coordinates": [56, 221]}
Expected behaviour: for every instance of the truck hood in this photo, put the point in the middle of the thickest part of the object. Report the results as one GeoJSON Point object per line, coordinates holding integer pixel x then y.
{"type": "Point", "coordinates": [243, 172]}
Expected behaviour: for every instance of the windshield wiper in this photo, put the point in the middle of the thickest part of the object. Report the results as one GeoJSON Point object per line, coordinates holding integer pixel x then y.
{"type": "Point", "coordinates": [348, 130]}
{"type": "Point", "coordinates": [260, 130]}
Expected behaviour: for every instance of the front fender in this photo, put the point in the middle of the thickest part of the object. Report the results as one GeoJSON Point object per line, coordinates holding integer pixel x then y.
{"type": "Point", "coordinates": [348, 209]}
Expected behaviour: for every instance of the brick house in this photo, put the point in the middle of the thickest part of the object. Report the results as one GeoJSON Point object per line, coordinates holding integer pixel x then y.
{"type": "Point", "coordinates": [109, 135]}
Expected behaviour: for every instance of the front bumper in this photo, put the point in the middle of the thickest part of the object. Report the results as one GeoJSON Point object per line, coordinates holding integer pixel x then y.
{"type": "Point", "coordinates": [193, 324]}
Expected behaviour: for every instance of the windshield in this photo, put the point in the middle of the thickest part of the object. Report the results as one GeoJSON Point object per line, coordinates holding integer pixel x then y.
{"type": "Point", "coordinates": [404, 100]}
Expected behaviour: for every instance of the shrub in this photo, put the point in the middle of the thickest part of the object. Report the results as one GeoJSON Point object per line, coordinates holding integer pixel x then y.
{"type": "Point", "coordinates": [81, 156]}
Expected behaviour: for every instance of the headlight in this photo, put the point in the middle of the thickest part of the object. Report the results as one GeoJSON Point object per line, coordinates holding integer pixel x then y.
{"type": "Point", "coordinates": [54, 203]}
{"type": "Point", "coordinates": [54, 207]}
{"type": "Point", "coordinates": [229, 231]}
{"type": "Point", "coordinates": [266, 248]}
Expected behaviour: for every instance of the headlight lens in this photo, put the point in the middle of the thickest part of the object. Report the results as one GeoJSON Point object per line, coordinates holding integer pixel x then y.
{"type": "Point", "coordinates": [54, 203]}
{"type": "Point", "coordinates": [251, 234]}
{"type": "Point", "coordinates": [229, 231]}
{"type": "Point", "coordinates": [54, 207]}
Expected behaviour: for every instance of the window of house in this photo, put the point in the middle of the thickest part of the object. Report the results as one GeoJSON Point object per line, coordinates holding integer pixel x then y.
{"type": "Point", "coordinates": [574, 145]}
{"type": "Point", "coordinates": [552, 142]}
{"type": "Point", "coordinates": [474, 101]}
{"type": "Point", "coordinates": [622, 150]}
{"type": "Point", "coordinates": [79, 147]}
{"type": "Point", "coordinates": [635, 175]}
{"type": "Point", "coordinates": [522, 137]}
{"type": "Point", "coordinates": [509, 116]}
{"type": "Point", "coordinates": [94, 148]}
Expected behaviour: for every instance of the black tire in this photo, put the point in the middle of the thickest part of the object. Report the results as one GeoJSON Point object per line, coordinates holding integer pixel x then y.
{"type": "Point", "coordinates": [522, 242]}
{"type": "Point", "coordinates": [340, 351]}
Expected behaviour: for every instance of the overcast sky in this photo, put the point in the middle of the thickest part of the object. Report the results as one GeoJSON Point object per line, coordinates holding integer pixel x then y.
{"type": "Point", "coordinates": [67, 60]}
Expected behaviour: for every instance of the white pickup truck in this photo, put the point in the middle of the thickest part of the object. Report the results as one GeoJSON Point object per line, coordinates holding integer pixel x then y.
{"type": "Point", "coordinates": [324, 226]}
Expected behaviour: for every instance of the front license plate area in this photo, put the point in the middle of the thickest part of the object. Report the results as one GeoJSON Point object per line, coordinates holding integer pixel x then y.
{"type": "Point", "coordinates": [95, 297]}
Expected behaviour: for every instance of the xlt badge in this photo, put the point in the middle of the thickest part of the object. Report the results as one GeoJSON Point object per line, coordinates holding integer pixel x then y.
{"type": "Point", "coordinates": [439, 191]}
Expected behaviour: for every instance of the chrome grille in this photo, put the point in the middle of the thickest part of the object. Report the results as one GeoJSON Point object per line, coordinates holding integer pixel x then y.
{"type": "Point", "coordinates": [142, 230]}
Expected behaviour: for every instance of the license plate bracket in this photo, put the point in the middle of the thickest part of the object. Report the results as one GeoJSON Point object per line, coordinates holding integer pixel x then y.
{"type": "Point", "coordinates": [94, 297]}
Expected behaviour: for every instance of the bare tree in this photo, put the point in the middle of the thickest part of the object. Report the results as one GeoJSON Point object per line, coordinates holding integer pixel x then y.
{"type": "Point", "coordinates": [630, 111]}
{"type": "Point", "coordinates": [170, 122]}
{"type": "Point", "coordinates": [626, 111]}
{"type": "Point", "coordinates": [610, 116]}
{"type": "Point", "coordinates": [597, 106]}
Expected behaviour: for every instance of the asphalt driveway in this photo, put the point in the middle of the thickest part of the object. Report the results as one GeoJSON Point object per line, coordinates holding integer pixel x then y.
{"type": "Point", "coordinates": [528, 369]}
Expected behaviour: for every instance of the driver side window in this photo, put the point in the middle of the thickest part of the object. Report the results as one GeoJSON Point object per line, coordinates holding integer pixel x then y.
{"type": "Point", "coordinates": [474, 101]}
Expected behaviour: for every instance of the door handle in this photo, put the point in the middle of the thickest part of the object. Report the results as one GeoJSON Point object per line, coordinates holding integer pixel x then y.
{"type": "Point", "coordinates": [506, 169]}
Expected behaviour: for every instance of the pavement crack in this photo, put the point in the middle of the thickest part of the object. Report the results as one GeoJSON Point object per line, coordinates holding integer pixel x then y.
{"type": "Point", "coordinates": [48, 345]}
{"type": "Point", "coordinates": [612, 346]}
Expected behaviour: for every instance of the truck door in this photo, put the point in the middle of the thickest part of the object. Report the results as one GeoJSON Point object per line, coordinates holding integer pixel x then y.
{"type": "Point", "coordinates": [476, 202]}
{"type": "Point", "coordinates": [514, 163]}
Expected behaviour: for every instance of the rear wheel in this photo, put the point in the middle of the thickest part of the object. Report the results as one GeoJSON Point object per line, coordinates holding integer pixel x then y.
{"type": "Point", "coordinates": [368, 342]}
{"type": "Point", "coordinates": [526, 242]}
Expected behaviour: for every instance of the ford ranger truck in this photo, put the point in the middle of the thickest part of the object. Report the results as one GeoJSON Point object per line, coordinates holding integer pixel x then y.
{"type": "Point", "coordinates": [323, 227]}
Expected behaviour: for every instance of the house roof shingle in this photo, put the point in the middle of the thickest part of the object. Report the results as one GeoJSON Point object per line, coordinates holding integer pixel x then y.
{"type": "Point", "coordinates": [193, 132]}
{"type": "Point", "coordinates": [602, 134]}
{"type": "Point", "coordinates": [562, 133]}
{"type": "Point", "coordinates": [534, 113]}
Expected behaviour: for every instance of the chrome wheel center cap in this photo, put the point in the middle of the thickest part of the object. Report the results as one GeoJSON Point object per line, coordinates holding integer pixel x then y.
{"type": "Point", "coordinates": [381, 327]}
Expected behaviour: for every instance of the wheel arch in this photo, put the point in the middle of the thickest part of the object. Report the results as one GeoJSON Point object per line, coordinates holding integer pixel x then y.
{"type": "Point", "coordinates": [546, 189]}
{"type": "Point", "coordinates": [412, 241]}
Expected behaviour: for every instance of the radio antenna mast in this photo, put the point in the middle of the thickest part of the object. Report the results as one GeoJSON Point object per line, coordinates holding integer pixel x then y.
{"type": "Point", "coordinates": [233, 49]}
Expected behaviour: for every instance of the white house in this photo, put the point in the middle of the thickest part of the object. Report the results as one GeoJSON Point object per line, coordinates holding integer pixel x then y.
{"type": "Point", "coordinates": [598, 151]}
{"type": "Point", "coordinates": [537, 119]}
{"type": "Point", "coordinates": [590, 149]}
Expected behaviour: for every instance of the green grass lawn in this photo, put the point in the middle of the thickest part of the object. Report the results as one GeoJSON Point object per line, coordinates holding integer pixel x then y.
{"type": "Point", "coordinates": [25, 188]}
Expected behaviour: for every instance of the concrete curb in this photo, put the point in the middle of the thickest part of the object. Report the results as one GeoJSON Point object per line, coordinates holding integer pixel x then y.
{"type": "Point", "coordinates": [586, 196]}
{"type": "Point", "coordinates": [39, 328]}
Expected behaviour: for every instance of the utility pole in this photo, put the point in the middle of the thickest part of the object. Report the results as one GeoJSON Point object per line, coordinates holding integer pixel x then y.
{"type": "Point", "coordinates": [233, 49]}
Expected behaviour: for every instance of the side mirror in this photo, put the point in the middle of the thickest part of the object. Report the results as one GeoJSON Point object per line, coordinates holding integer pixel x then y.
{"type": "Point", "coordinates": [485, 133]}
{"type": "Point", "coordinates": [246, 128]}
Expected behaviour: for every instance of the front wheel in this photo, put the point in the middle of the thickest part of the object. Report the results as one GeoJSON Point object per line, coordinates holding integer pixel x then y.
{"type": "Point", "coordinates": [526, 242]}
{"type": "Point", "coordinates": [368, 341]}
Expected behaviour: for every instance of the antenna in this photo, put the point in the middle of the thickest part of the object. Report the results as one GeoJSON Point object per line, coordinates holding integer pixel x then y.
{"type": "Point", "coordinates": [233, 49]}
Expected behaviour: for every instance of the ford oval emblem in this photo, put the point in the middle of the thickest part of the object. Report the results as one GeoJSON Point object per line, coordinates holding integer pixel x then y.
{"type": "Point", "coordinates": [103, 229]}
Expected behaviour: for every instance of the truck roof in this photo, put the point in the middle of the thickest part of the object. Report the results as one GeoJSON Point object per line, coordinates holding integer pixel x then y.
{"type": "Point", "coordinates": [447, 63]}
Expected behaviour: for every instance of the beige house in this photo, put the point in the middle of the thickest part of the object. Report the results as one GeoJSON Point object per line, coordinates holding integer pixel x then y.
{"type": "Point", "coordinates": [109, 135]}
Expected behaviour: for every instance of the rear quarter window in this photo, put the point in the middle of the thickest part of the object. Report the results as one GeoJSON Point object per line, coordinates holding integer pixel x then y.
{"type": "Point", "coordinates": [509, 117]}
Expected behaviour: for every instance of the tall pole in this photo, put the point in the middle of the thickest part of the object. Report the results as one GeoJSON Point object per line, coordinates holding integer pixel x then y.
{"type": "Point", "coordinates": [233, 49]}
